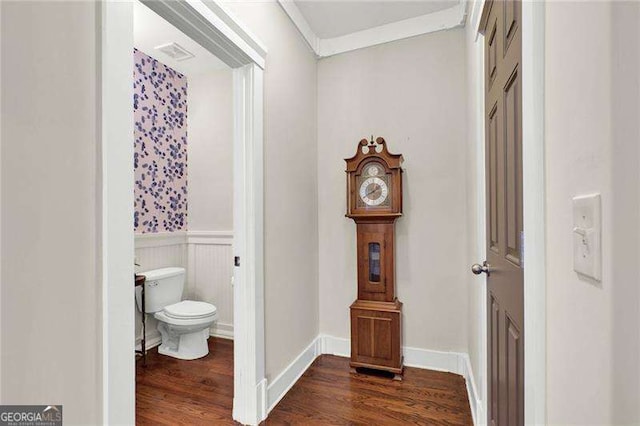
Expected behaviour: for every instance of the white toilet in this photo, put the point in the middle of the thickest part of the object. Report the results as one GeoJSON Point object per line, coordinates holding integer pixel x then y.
{"type": "Point", "coordinates": [183, 325]}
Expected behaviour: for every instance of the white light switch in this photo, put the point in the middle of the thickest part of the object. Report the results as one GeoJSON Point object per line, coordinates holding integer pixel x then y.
{"type": "Point", "coordinates": [587, 255]}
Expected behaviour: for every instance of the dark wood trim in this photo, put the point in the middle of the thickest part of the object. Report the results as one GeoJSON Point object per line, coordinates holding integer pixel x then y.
{"type": "Point", "coordinates": [396, 305]}
{"type": "Point", "coordinates": [393, 161]}
{"type": "Point", "coordinates": [378, 218]}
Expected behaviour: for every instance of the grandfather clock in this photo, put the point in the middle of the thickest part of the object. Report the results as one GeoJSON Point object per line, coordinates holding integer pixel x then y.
{"type": "Point", "coordinates": [374, 202]}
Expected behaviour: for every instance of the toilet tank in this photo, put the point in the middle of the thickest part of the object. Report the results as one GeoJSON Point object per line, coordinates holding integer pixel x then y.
{"type": "Point", "coordinates": [162, 287]}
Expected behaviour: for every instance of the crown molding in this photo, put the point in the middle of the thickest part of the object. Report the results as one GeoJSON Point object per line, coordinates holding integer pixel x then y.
{"type": "Point", "coordinates": [323, 47]}
{"type": "Point", "coordinates": [301, 23]}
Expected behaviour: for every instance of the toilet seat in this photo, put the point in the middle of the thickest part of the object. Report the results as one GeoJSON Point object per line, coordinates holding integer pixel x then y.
{"type": "Point", "coordinates": [189, 309]}
{"type": "Point", "coordinates": [185, 322]}
{"type": "Point", "coordinates": [188, 313]}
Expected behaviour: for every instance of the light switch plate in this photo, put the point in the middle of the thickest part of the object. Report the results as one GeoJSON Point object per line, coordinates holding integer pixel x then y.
{"type": "Point", "coordinates": [587, 250]}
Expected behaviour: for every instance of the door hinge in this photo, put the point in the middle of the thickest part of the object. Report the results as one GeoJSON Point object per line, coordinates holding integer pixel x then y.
{"type": "Point", "coordinates": [236, 261]}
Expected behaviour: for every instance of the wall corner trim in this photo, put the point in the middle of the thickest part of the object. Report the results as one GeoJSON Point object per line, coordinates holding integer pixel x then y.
{"type": "Point", "coordinates": [453, 362]}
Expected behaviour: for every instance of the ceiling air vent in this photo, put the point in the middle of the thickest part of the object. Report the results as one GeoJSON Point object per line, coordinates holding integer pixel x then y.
{"type": "Point", "coordinates": [175, 51]}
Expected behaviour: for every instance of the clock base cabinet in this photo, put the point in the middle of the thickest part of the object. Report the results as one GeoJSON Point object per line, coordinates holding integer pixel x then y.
{"type": "Point", "coordinates": [376, 335]}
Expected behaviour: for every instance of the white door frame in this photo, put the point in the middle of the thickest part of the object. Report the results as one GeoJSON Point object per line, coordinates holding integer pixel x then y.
{"type": "Point", "coordinates": [534, 220]}
{"type": "Point", "coordinates": [209, 24]}
{"type": "Point", "coordinates": [534, 213]}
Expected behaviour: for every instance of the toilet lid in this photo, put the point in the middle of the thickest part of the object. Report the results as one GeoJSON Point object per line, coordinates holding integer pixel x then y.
{"type": "Point", "coordinates": [190, 309]}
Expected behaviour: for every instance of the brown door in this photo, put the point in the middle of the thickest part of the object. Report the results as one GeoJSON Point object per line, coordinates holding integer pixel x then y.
{"type": "Point", "coordinates": [503, 152]}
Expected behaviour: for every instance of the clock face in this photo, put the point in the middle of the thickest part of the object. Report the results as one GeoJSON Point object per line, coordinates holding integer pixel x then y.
{"type": "Point", "coordinates": [373, 187]}
{"type": "Point", "coordinates": [373, 190]}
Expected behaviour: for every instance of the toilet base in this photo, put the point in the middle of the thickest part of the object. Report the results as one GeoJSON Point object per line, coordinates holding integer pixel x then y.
{"type": "Point", "coordinates": [178, 344]}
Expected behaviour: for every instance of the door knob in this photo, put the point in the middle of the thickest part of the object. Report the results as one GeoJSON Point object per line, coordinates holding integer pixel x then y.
{"type": "Point", "coordinates": [478, 269]}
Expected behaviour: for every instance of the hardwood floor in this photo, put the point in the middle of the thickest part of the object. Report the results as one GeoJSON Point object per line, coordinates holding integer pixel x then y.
{"type": "Point", "coordinates": [172, 392]}
{"type": "Point", "coordinates": [329, 394]}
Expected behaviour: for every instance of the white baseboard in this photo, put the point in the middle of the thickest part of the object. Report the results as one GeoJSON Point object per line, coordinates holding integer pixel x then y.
{"type": "Point", "coordinates": [477, 408]}
{"type": "Point", "coordinates": [290, 375]}
{"type": "Point", "coordinates": [335, 345]}
{"type": "Point", "coordinates": [453, 362]}
{"type": "Point", "coordinates": [153, 339]}
{"type": "Point", "coordinates": [223, 331]}
{"type": "Point", "coordinates": [413, 357]}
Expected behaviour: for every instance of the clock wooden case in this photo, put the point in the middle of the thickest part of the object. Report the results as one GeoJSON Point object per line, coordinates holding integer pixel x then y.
{"type": "Point", "coordinates": [374, 202]}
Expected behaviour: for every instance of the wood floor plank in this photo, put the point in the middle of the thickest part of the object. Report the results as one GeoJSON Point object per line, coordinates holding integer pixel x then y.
{"type": "Point", "coordinates": [328, 391]}
{"type": "Point", "coordinates": [175, 392]}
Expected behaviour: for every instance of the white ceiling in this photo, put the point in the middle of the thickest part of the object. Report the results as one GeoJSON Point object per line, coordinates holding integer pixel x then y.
{"type": "Point", "coordinates": [150, 30]}
{"type": "Point", "coordinates": [331, 18]}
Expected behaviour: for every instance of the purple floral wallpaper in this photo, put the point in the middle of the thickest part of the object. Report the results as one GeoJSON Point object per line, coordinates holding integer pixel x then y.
{"type": "Point", "coordinates": [160, 155]}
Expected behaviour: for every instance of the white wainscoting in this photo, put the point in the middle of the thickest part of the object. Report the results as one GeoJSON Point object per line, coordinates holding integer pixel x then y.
{"type": "Point", "coordinates": [154, 251]}
{"type": "Point", "coordinates": [453, 362]}
{"type": "Point", "coordinates": [209, 275]}
{"type": "Point", "coordinates": [208, 258]}
{"type": "Point", "coordinates": [161, 252]}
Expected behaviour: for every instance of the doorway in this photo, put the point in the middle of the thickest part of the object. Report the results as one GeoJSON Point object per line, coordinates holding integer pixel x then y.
{"type": "Point", "coordinates": [183, 222]}
{"type": "Point", "coordinates": [215, 30]}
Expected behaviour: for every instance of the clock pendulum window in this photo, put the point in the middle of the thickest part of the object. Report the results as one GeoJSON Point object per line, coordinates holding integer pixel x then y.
{"type": "Point", "coordinates": [374, 202]}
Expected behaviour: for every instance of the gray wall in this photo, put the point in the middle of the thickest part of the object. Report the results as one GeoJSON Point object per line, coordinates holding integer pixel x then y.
{"type": "Point", "coordinates": [51, 323]}
{"type": "Point", "coordinates": [413, 93]}
{"type": "Point", "coordinates": [290, 184]}
{"type": "Point", "coordinates": [578, 160]}
{"type": "Point", "coordinates": [592, 98]}
{"type": "Point", "coordinates": [210, 151]}
{"type": "Point", "coordinates": [626, 211]}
